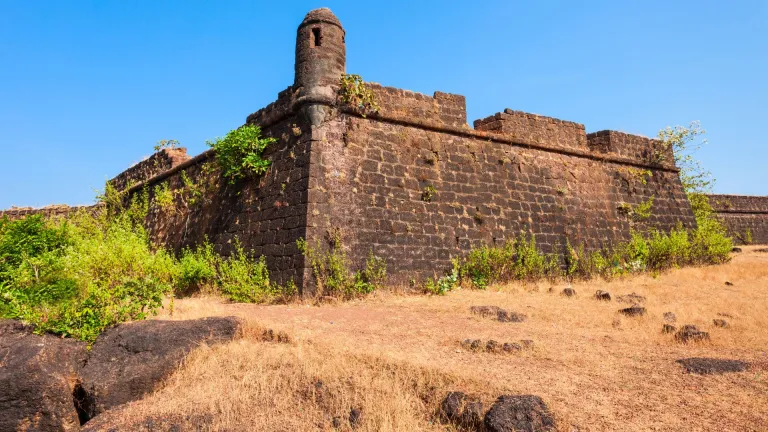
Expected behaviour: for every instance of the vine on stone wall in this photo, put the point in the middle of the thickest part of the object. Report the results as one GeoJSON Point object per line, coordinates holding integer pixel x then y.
{"type": "Point", "coordinates": [354, 93]}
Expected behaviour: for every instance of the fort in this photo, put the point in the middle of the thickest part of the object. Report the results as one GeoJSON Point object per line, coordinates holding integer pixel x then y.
{"type": "Point", "coordinates": [413, 182]}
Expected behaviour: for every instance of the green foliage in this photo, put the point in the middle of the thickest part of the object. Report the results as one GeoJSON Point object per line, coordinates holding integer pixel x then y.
{"type": "Point", "coordinates": [428, 193]}
{"type": "Point", "coordinates": [653, 251]}
{"type": "Point", "coordinates": [372, 276]}
{"type": "Point", "coordinates": [519, 259]}
{"type": "Point", "coordinates": [642, 211]}
{"type": "Point", "coordinates": [486, 265]}
{"type": "Point", "coordinates": [244, 280]}
{"type": "Point", "coordinates": [331, 270]}
{"type": "Point", "coordinates": [164, 198]}
{"type": "Point", "coordinates": [682, 141]}
{"type": "Point", "coordinates": [745, 238]}
{"type": "Point", "coordinates": [441, 286]}
{"type": "Point", "coordinates": [636, 174]}
{"type": "Point", "coordinates": [710, 243]}
{"type": "Point", "coordinates": [80, 276]}
{"type": "Point", "coordinates": [354, 92]}
{"type": "Point", "coordinates": [637, 212]}
{"type": "Point", "coordinates": [118, 206]}
{"type": "Point", "coordinates": [166, 144]}
{"type": "Point", "coordinates": [27, 240]}
{"type": "Point", "coordinates": [240, 153]}
{"type": "Point", "coordinates": [197, 270]}
{"type": "Point", "coordinates": [192, 192]}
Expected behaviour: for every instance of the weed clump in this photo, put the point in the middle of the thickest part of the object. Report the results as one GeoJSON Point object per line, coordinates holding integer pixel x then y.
{"type": "Point", "coordinates": [331, 269]}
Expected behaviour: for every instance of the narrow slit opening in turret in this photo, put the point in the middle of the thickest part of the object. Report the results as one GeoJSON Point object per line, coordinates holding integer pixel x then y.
{"type": "Point", "coordinates": [317, 38]}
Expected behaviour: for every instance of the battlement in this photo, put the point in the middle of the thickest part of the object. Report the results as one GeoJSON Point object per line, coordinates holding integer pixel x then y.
{"type": "Point", "coordinates": [276, 111]}
{"type": "Point", "coordinates": [739, 203]}
{"type": "Point", "coordinates": [440, 108]}
{"type": "Point", "coordinates": [159, 162]}
{"type": "Point", "coordinates": [535, 128]}
{"type": "Point", "coordinates": [49, 211]}
{"type": "Point", "coordinates": [630, 146]}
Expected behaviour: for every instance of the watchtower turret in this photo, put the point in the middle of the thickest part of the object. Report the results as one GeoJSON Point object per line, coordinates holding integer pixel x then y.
{"type": "Point", "coordinates": [321, 56]}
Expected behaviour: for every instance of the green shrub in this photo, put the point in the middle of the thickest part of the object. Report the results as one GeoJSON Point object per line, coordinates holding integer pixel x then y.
{"type": "Point", "coordinates": [486, 265]}
{"type": "Point", "coordinates": [80, 276]}
{"type": "Point", "coordinates": [165, 198]}
{"type": "Point", "coordinates": [197, 269]}
{"type": "Point", "coordinates": [441, 286]}
{"type": "Point", "coordinates": [245, 280]}
{"type": "Point", "coordinates": [670, 250]}
{"type": "Point", "coordinates": [519, 259]}
{"type": "Point", "coordinates": [28, 239]}
{"type": "Point", "coordinates": [372, 276]}
{"type": "Point", "coordinates": [240, 153]}
{"type": "Point", "coordinates": [332, 274]}
{"type": "Point", "coordinates": [653, 251]}
{"type": "Point", "coordinates": [355, 93]}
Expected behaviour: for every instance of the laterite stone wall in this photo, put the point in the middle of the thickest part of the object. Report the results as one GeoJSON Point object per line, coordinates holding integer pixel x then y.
{"type": "Point", "coordinates": [742, 213]}
{"type": "Point", "coordinates": [368, 178]}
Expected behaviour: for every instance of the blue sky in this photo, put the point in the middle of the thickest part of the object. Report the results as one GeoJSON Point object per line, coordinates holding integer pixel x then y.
{"type": "Point", "coordinates": [88, 87]}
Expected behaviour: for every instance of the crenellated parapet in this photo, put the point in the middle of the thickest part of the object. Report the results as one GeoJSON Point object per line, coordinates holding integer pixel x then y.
{"type": "Point", "coordinates": [634, 147]}
{"type": "Point", "coordinates": [159, 162]}
{"type": "Point", "coordinates": [444, 109]}
{"type": "Point", "coordinates": [535, 128]}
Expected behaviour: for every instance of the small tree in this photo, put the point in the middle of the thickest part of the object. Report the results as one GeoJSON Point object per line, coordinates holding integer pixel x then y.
{"type": "Point", "coordinates": [711, 243]}
{"type": "Point", "coordinates": [682, 141]}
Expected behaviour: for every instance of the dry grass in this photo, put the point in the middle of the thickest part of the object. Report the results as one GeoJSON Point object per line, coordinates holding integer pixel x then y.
{"type": "Point", "coordinates": [394, 356]}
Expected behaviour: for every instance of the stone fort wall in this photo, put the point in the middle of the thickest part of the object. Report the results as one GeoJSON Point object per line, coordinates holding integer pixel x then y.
{"type": "Point", "coordinates": [514, 172]}
{"type": "Point", "coordinates": [742, 214]}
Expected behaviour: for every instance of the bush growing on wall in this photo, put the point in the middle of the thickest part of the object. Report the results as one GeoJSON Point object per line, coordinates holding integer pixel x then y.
{"type": "Point", "coordinates": [240, 153]}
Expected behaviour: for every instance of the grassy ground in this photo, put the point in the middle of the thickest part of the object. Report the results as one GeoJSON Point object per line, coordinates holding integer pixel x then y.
{"type": "Point", "coordinates": [394, 356]}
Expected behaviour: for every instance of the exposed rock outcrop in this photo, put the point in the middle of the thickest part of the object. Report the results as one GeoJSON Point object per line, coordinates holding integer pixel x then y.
{"type": "Point", "coordinates": [37, 378]}
{"type": "Point", "coordinates": [130, 360]}
{"type": "Point", "coordinates": [526, 413]}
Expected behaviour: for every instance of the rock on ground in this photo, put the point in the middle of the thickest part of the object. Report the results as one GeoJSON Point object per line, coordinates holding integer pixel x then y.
{"type": "Point", "coordinates": [602, 295]}
{"type": "Point", "coordinates": [668, 328]}
{"type": "Point", "coordinates": [690, 333]}
{"type": "Point", "coordinates": [37, 378]}
{"type": "Point", "coordinates": [633, 311]}
{"type": "Point", "coordinates": [498, 313]}
{"type": "Point", "coordinates": [462, 411]}
{"type": "Point", "coordinates": [128, 361]}
{"type": "Point", "coordinates": [526, 413]}
{"type": "Point", "coordinates": [708, 366]}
